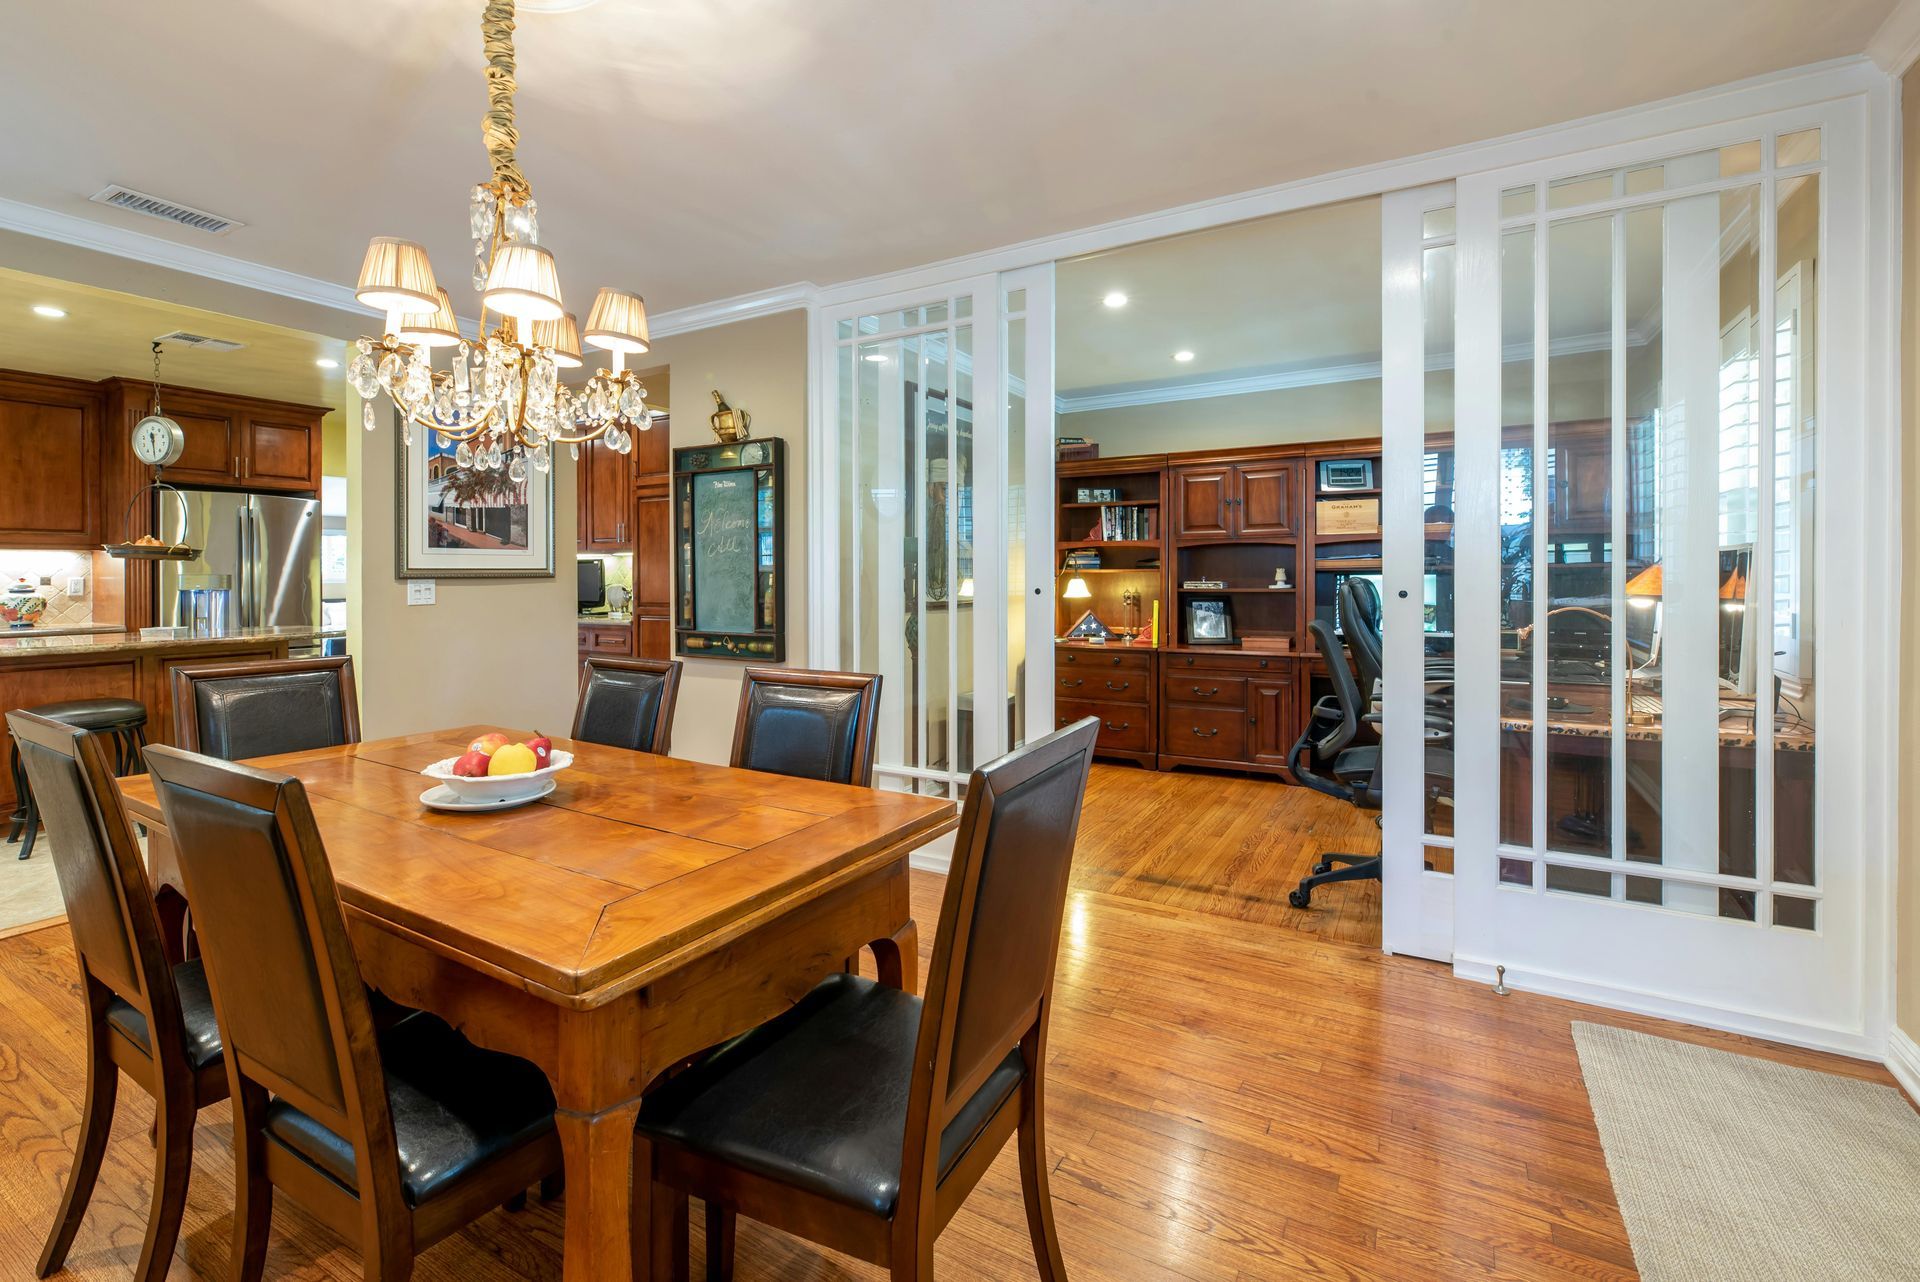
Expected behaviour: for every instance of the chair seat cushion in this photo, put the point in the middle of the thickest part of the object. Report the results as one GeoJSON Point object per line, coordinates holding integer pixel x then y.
{"type": "Point", "coordinates": [817, 1097]}
{"type": "Point", "coordinates": [1357, 763]}
{"type": "Point", "coordinates": [196, 1014]}
{"type": "Point", "coordinates": [95, 714]}
{"type": "Point", "coordinates": [455, 1108]}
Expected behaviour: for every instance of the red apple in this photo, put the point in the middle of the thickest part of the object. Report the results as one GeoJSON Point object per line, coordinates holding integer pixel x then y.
{"type": "Point", "coordinates": [542, 747]}
{"type": "Point", "coordinates": [472, 765]}
{"type": "Point", "coordinates": [489, 743]}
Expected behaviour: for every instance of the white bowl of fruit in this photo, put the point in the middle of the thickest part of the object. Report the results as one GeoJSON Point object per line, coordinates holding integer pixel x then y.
{"type": "Point", "coordinates": [495, 772]}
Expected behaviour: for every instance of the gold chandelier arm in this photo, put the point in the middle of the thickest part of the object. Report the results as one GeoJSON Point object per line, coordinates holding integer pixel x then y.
{"type": "Point", "coordinates": [497, 128]}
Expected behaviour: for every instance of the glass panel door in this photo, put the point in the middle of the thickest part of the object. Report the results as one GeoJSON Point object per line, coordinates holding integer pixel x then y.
{"type": "Point", "coordinates": [930, 465]}
{"type": "Point", "coordinates": [1639, 410]}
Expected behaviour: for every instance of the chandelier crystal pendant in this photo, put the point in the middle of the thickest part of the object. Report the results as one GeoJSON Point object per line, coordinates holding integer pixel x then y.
{"type": "Point", "coordinates": [499, 404]}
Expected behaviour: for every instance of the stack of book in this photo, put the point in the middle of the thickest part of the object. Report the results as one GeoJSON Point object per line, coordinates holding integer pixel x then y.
{"type": "Point", "coordinates": [1082, 559]}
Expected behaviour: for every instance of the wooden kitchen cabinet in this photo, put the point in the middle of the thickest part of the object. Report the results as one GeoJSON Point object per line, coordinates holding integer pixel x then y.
{"type": "Point", "coordinates": [232, 442]}
{"type": "Point", "coordinates": [606, 638]}
{"type": "Point", "coordinates": [1226, 708]}
{"type": "Point", "coordinates": [1203, 503]}
{"type": "Point", "coordinates": [653, 542]}
{"type": "Point", "coordinates": [606, 498]}
{"type": "Point", "coordinates": [50, 439]}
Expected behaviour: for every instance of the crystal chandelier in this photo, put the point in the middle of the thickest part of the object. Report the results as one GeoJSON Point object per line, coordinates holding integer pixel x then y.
{"type": "Point", "coordinates": [500, 404]}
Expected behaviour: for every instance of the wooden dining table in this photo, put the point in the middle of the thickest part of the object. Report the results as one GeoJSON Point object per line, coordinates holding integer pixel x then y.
{"type": "Point", "coordinates": [646, 909]}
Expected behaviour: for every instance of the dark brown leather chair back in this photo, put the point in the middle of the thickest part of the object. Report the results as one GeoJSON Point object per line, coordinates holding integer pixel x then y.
{"type": "Point", "coordinates": [810, 725]}
{"type": "Point", "coordinates": [989, 987]}
{"type": "Point", "coordinates": [286, 987]}
{"type": "Point", "coordinates": [103, 883]}
{"type": "Point", "coordinates": [235, 711]}
{"type": "Point", "coordinates": [628, 703]}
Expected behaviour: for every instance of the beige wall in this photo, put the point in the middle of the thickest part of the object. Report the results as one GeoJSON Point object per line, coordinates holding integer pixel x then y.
{"type": "Point", "coordinates": [496, 651]}
{"type": "Point", "coordinates": [759, 366]}
{"type": "Point", "coordinates": [1907, 925]}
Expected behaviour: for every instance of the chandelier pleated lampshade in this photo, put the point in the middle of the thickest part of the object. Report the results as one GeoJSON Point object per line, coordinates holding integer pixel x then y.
{"type": "Point", "coordinates": [396, 277]}
{"type": "Point", "coordinates": [618, 322]}
{"type": "Point", "coordinates": [437, 328]}
{"type": "Point", "coordinates": [524, 283]}
{"type": "Point", "coordinates": [563, 336]}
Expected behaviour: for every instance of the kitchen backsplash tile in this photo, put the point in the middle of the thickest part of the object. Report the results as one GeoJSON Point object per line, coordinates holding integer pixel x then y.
{"type": "Point", "coordinates": [48, 572]}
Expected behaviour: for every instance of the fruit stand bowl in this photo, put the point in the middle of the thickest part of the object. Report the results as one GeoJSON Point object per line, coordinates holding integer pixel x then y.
{"type": "Point", "coordinates": [498, 790]}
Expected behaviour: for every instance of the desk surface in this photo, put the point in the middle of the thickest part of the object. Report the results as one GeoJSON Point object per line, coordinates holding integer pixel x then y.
{"type": "Point", "coordinates": [633, 865]}
{"type": "Point", "coordinates": [1588, 718]}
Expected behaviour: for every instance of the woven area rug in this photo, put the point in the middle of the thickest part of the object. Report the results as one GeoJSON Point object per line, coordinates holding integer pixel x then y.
{"type": "Point", "coordinates": [1739, 1169]}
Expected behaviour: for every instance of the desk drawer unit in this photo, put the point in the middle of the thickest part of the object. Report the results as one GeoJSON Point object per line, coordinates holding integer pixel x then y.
{"type": "Point", "coordinates": [1117, 686]}
{"type": "Point", "coordinates": [1227, 708]}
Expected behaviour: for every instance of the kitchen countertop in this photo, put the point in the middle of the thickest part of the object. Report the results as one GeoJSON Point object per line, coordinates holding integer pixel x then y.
{"type": "Point", "coordinates": [17, 644]}
{"type": "Point", "coordinates": [609, 620]}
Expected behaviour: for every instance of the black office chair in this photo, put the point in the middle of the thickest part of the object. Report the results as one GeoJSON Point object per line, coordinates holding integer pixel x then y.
{"type": "Point", "coordinates": [1326, 759]}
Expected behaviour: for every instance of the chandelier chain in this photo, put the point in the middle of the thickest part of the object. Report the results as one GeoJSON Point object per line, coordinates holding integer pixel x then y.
{"type": "Point", "coordinates": [497, 129]}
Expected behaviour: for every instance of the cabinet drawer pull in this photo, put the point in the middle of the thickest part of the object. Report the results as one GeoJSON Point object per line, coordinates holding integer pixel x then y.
{"type": "Point", "coordinates": [1206, 734]}
{"type": "Point", "coordinates": [1124, 685]}
{"type": "Point", "coordinates": [1263, 663]}
{"type": "Point", "coordinates": [1072, 658]}
{"type": "Point", "coordinates": [1122, 726]}
{"type": "Point", "coordinates": [1206, 694]}
{"type": "Point", "coordinates": [1077, 681]}
{"type": "Point", "coordinates": [1116, 661]}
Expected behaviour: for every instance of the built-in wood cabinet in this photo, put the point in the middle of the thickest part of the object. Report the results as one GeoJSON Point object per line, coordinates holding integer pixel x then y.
{"type": "Point", "coordinates": [606, 638]}
{"type": "Point", "coordinates": [50, 494]}
{"type": "Point", "coordinates": [232, 442]}
{"type": "Point", "coordinates": [1116, 684]}
{"type": "Point", "coordinates": [653, 541]}
{"type": "Point", "coordinates": [606, 498]}
{"type": "Point", "coordinates": [1226, 708]}
{"type": "Point", "coordinates": [1232, 501]}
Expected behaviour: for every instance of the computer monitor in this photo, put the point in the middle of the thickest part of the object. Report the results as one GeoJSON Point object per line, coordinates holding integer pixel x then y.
{"type": "Point", "coordinates": [593, 583]}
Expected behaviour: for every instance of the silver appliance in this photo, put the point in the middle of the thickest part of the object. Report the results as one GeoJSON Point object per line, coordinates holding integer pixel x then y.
{"type": "Point", "coordinates": [266, 546]}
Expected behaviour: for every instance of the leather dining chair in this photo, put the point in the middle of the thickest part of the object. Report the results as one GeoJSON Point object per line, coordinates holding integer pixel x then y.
{"type": "Point", "coordinates": [810, 725]}
{"type": "Point", "coordinates": [627, 703]}
{"type": "Point", "coordinates": [145, 1017]}
{"type": "Point", "coordinates": [863, 1117]}
{"type": "Point", "coordinates": [394, 1139]}
{"type": "Point", "coordinates": [264, 707]}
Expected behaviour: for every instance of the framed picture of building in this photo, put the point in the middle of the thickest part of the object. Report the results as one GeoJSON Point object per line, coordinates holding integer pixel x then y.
{"type": "Point", "coordinates": [454, 521]}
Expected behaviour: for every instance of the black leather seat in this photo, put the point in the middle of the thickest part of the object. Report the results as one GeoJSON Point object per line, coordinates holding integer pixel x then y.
{"type": "Point", "coordinates": [455, 1108]}
{"type": "Point", "coordinates": [627, 703]}
{"type": "Point", "coordinates": [808, 725]}
{"type": "Point", "coordinates": [844, 1057]}
{"type": "Point", "coordinates": [94, 714]}
{"type": "Point", "coordinates": [123, 720]}
{"type": "Point", "coordinates": [196, 1014]}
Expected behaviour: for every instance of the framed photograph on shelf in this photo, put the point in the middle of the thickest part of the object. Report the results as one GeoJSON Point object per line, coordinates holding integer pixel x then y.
{"type": "Point", "coordinates": [1101, 494]}
{"type": "Point", "coordinates": [456, 522]}
{"type": "Point", "coordinates": [1209, 620]}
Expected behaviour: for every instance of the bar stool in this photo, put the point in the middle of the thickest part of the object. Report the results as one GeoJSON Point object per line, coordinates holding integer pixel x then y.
{"type": "Point", "coordinates": [123, 719]}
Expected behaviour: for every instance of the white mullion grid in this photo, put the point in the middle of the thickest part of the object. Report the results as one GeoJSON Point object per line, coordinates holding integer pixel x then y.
{"type": "Point", "coordinates": [1617, 557]}
{"type": "Point", "coordinates": [953, 548]}
{"type": "Point", "coordinates": [1659, 872]}
{"type": "Point", "coordinates": [1760, 575]}
{"type": "Point", "coordinates": [918, 428]}
{"type": "Point", "coordinates": [849, 384]}
{"type": "Point", "coordinates": [1660, 195]}
{"type": "Point", "coordinates": [1542, 588]}
{"type": "Point", "coordinates": [915, 772]}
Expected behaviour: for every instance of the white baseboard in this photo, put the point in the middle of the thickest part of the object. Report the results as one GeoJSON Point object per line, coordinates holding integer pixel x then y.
{"type": "Point", "coordinates": [1903, 1061]}
{"type": "Point", "coordinates": [1812, 1036]}
{"type": "Point", "coordinates": [935, 856]}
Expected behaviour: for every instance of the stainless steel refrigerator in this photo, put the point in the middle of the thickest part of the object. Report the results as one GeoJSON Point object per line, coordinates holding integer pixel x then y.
{"type": "Point", "coordinates": [266, 547]}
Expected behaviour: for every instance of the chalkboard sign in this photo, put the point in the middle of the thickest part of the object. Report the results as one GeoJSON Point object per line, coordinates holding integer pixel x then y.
{"type": "Point", "coordinates": [729, 520]}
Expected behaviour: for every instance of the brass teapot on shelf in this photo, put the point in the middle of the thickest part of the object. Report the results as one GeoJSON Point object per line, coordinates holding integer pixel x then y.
{"type": "Point", "coordinates": [728, 423]}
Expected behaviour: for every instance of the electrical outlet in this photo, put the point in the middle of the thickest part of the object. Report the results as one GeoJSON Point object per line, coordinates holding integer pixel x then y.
{"type": "Point", "coordinates": [77, 585]}
{"type": "Point", "coordinates": [419, 591]}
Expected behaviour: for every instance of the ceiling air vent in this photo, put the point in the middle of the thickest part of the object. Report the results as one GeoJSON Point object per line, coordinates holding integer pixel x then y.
{"type": "Point", "coordinates": [140, 202]}
{"type": "Point", "coordinates": [200, 341]}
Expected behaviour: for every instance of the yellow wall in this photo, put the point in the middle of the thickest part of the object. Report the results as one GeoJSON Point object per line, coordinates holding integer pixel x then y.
{"type": "Point", "coordinates": [497, 651]}
{"type": "Point", "coordinates": [761, 367]}
{"type": "Point", "coordinates": [1907, 926]}
{"type": "Point", "coordinates": [333, 443]}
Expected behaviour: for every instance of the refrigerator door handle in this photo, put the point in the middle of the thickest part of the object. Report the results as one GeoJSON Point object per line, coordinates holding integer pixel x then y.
{"type": "Point", "coordinates": [245, 585]}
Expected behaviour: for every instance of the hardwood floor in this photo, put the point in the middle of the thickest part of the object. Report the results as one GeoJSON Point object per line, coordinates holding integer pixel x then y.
{"type": "Point", "coordinates": [1227, 845]}
{"type": "Point", "coordinates": [1227, 1103]}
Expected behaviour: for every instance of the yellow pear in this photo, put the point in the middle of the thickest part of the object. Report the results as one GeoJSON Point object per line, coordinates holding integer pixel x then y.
{"type": "Point", "coordinates": [514, 759]}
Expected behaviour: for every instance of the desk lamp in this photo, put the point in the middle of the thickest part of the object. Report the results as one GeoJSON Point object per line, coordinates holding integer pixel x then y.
{"type": "Point", "coordinates": [1643, 592]}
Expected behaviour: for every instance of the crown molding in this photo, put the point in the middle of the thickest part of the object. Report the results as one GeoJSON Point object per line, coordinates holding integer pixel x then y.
{"type": "Point", "coordinates": [124, 242]}
{"type": "Point", "coordinates": [729, 311]}
{"type": "Point", "coordinates": [1896, 45]}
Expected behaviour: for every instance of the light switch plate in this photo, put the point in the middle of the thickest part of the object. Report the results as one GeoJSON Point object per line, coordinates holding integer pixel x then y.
{"type": "Point", "coordinates": [76, 585]}
{"type": "Point", "coordinates": [419, 591]}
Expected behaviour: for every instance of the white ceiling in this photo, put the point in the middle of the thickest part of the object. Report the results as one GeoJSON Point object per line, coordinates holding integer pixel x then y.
{"type": "Point", "coordinates": [697, 149]}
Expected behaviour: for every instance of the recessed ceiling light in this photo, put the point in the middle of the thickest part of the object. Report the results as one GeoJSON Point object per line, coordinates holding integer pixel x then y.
{"type": "Point", "coordinates": [876, 358]}
{"type": "Point", "coordinates": [49, 311]}
{"type": "Point", "coordinates": [327, 362]}
{"type": "Point", "coordinates": [1115, 299]}
{"type": "Point", "coordinates": [1183, 356]}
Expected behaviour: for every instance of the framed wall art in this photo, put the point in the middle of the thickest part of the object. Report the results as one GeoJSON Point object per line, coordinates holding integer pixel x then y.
{"type": "Point", "coordinates": [455, 522]}
{"type": "Point", "coordinates": [729, 519]}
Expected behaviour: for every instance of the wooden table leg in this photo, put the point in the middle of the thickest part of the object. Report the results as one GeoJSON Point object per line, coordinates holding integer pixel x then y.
{"type": "Point", "coordinates": [603, 1242]}
{"type": "Point", "coordinates": [898, 958]}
